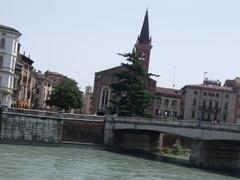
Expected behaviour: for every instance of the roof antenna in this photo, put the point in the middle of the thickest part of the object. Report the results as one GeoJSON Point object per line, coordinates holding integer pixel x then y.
{"type": "Point", "coordinates": [205, 76]}
{"type": "Point", "coordinates": [174, 76]}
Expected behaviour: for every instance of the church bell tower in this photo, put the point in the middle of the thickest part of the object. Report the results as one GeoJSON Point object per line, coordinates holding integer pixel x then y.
{"type": "Point", "coordinates": [143, 45]}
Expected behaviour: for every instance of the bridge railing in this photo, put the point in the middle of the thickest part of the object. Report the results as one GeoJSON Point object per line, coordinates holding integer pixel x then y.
{"type": "Point", "coordinates": [178, 123]}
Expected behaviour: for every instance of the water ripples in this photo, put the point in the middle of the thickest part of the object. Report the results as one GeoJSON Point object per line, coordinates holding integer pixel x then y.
{"type": "Point", "coordinates": [41, 163]}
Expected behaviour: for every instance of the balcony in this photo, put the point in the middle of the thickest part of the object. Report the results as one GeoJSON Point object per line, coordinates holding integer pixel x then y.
{"type": "Point", "coordinates": [210, 108]}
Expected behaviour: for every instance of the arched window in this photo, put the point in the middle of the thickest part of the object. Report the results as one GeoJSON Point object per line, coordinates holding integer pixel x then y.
{"type": "Point", "coordinates": [2, 43]}
{"type": "Point", "coordinates": [174, 103]}
{"type": "Point", "coordinates": [166, 102]}
{"type": "Point", "coordinates": [105, 97]}
{"type": "Point", "coordinates": [159, 102]}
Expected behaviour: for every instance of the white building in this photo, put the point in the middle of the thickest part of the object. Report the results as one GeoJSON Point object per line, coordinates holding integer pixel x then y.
{"type": "Point", "coordinates": [9, 48]}
{"type": "Point", "coordinates": [209, 102]}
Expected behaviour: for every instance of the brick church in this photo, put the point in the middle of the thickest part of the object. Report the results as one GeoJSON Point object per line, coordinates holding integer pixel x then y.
{"type": "Point", "coordinates": [104, 79]}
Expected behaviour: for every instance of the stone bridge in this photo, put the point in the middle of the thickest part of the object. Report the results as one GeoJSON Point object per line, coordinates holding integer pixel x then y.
{"type": "Point", "coordinates": [214, 145]}
{"type": "Point", "coordinates": [185, 128]}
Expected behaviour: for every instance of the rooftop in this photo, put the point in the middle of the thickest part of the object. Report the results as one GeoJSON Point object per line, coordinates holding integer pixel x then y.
{"type": "Point", "coordinates": [168, 91]}
{"type": "Point", "coordinates": [9, 29]}
{"type": "Point", "coordinates": [208, 86]}
{"type": "Point", "coordinates": [22, 57]}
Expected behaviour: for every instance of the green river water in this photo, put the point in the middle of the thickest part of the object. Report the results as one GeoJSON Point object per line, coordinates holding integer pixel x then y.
{"type": "Point", "coordinates": [35, 163]}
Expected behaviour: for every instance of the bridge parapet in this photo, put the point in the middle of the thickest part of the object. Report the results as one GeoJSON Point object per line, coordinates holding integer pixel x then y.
{"type": "Point", "coordinates": [177, 123]}
{"type": "Point", "coordinates": [82, 117]}
{"type": "Point", "coordinates": [33, 113]}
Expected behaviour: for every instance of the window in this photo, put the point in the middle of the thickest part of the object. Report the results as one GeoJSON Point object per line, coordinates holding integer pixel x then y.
{"type": "Point", "coordinates": [210, 105]}
{"type": "Point", "coordinates": [174, 103]}
{"type": "Point", "coordinates": [1, 61]}
{"type": "Point", "coordinates": [194, 102]}
{"type": "Point", "coordinates": [159, 102]}
{"type": "Point", "coordinates": [0, 81]}
{"type": "Point", "coordinates": [217, 95]}
{"type": "Point", "coordinates": [205, 94]}
{"type": "Point", "coordinates": [166, 102]}
{"type": "Point", "coordinates": [195, 92]}
{"type": "Point", "coordinates": [105, 95]}
{"type": "Point", "coordinates": [2, 43]}
{"type": "Point", "coordinates": [193, 114]}
{"type": "Point", "coordinates": [174, 114]}
{"type": "Point", "coordinates": [224, 117]}
{"type": "Point", "coordinates": [226, 106]}
{"type": "Point", "coordinates": [227, 96]}
{"type": "Point", "coordinates": [158, 112]}
{"type": "Point", "coordinates": [142, 55]}
{"type": "Point", "coordinates": [166, 113]}
{"type": "Point", "coordinates": [204, 104]}
{"type": "Point", "coordinates": [211, 94]}
{"type": "Point", "coordinates": [14, 47]}
{"type": "Point", "coordinates": [216, 105]}
{"type": "Point", "coordinates": [12, 80]}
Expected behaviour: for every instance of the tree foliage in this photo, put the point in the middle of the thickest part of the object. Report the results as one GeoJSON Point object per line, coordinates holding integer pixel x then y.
{"type": "Point", "coordinates": [66, 95]}
{"type": "Point", "coordinates": [130, 96]}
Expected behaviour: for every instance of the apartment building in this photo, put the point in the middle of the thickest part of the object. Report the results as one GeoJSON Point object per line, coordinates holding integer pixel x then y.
{"type": "Point", "coordinates": [208, 102]}
{"type": "Point", "coordinates": [9, 48]}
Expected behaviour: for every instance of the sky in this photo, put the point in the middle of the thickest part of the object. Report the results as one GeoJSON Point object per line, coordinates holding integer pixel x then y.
{"type": "Point", "coordinates": [78, 38]}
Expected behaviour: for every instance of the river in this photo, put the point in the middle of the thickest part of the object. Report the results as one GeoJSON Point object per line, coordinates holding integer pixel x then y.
{"type": "Point", "coordinates": [42, 163]}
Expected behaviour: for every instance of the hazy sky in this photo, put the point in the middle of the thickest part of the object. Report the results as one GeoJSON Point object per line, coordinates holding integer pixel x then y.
{"type": "Point", "coordinates": [78, 38]}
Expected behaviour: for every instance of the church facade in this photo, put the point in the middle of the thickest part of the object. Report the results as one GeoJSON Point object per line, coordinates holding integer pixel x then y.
{"type": "Point", "coordinates": [104, 79]}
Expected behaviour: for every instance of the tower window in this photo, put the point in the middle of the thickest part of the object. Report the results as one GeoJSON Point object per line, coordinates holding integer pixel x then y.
{"type": "Point", "coordinates": [142, 55]}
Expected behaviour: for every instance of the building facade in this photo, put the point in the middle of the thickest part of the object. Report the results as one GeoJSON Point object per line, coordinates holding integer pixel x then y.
{"type": "Point", "coordinates": [104, 79]}
{"type": "Point", "coordinates": [9, 48]}
{"type": "Point", "coordinates": [43, 87]}
{"type": "Point", "coordinates": [24, 82]}
{"type": "Point", "coordinates": [235, 85]}
{"type": "Point", "coordinates": [208, 102]}
{"type": "Point", "coordinates": [167, 103]}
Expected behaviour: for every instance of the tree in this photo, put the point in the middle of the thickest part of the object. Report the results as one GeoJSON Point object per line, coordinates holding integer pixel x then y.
{"type": "Point", "coordinates": [130, 95]}
{"type": "Point", "coordinates": [66, 95]}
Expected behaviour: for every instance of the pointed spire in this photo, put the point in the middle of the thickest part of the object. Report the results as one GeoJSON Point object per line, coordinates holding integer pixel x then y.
{"type": "Point", "coordinates": [144, 36]}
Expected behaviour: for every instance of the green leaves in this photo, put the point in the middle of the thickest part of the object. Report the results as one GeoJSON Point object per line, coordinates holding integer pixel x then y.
{"type": "Point", "coordinates": [66, 95]}
{"type": "Point", "coordinates": [130, 95]}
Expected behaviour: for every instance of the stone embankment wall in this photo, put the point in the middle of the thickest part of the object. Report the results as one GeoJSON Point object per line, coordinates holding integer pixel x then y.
{"type": "Point", "coordinates": [30, 127]}
{"type": "Point", "coordinates": [83, 128]}
{"type": "Point", "coordinates": [22, 126]}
